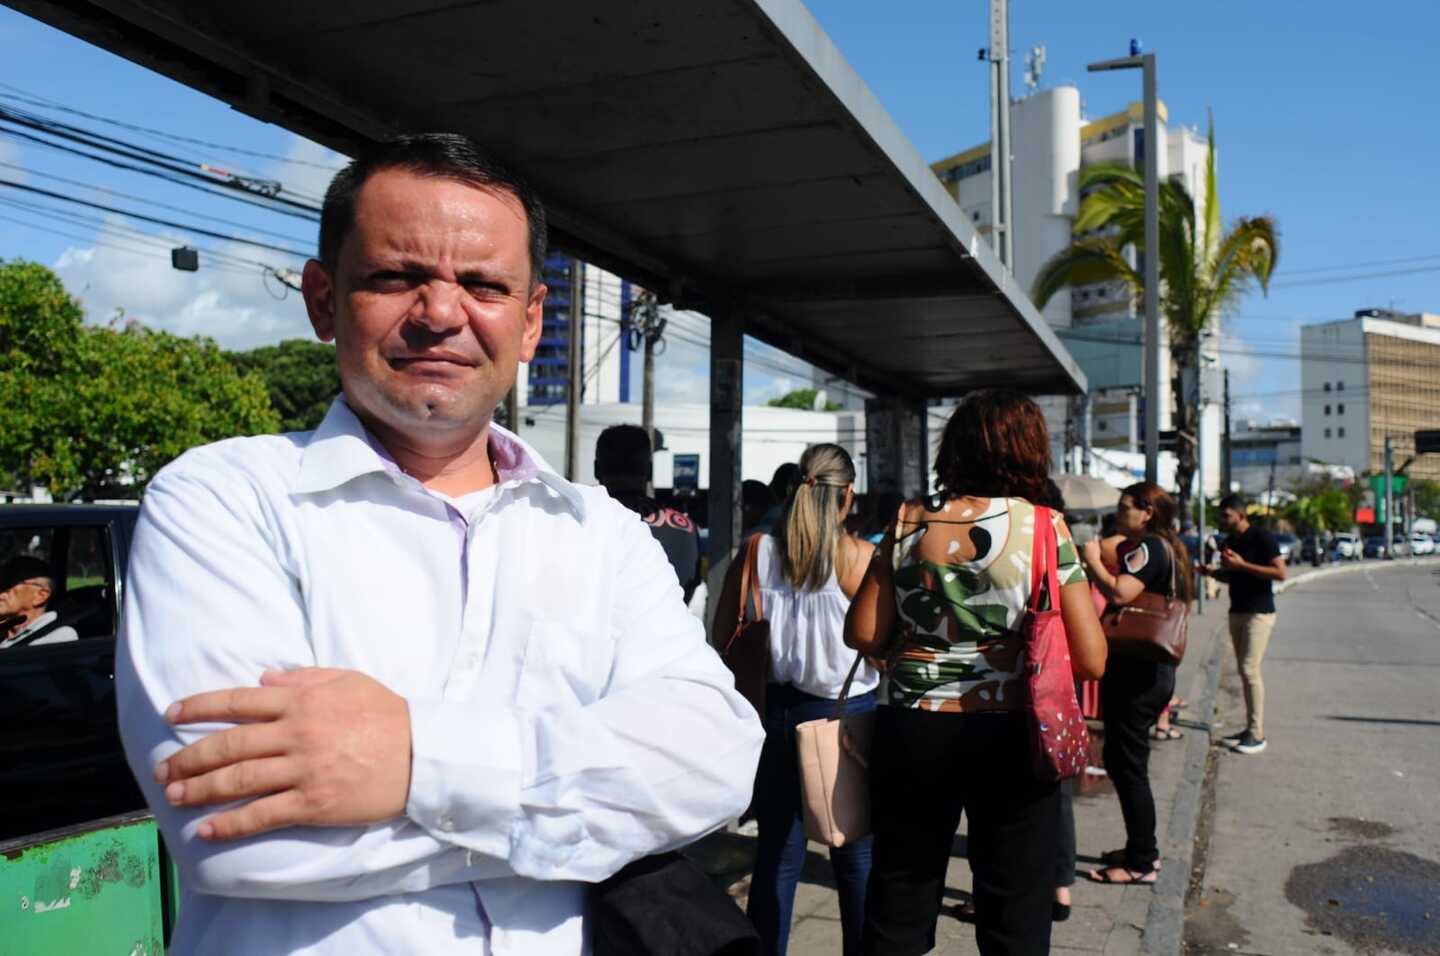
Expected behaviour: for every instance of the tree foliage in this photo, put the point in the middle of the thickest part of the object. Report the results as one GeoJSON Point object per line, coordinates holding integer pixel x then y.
{"type": "Point", "coordinates": [1324, 509]}
{"type": "Point", "coordinates": [300, 376]}
{"type": "Point", "coordinates": [1204, 270]}
{"type": "Point", "coordinates": [802, 398]}
{"type": "Point", "coordinates": [94, 411]}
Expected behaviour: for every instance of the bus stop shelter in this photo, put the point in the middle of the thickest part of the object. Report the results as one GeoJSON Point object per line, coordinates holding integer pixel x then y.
{"type": "Point", "coordinates": [719, 152]}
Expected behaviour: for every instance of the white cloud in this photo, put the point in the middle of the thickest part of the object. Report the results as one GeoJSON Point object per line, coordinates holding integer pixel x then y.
{"type": "Point", "coordinates": [313, 167]}
{"type": "Point", "coordinates": [238, 307]}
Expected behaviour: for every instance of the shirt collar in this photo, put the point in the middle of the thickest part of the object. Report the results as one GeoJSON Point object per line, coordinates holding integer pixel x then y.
{"type": "Point", "coordinates": [341, 450]}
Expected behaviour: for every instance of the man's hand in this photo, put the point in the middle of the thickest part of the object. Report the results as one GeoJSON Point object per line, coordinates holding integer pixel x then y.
{"type": "Point", "coordinates": [316, 746]}
{"type": "Point", "coordinates": [1230, 561]}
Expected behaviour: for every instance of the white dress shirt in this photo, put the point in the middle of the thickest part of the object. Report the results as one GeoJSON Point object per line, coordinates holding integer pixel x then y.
{"type": "Point", "coordinates": [566, 714]}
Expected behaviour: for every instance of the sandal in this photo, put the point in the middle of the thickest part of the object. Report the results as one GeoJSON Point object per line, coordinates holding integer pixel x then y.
{"type": "Point", "coordinates": [1141, 877]}
{"type": "Point", "coordinates": [1165, 733]}
{"type": "Point", "coordinates": [1115, 860]}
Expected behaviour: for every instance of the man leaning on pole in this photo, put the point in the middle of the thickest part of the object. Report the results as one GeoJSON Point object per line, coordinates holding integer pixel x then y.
{"type": "Point", "coordinates": [394, 685]}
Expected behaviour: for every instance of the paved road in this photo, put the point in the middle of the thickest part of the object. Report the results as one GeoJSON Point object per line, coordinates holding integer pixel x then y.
{"type": "Point", "coordinates": [1329, 842]}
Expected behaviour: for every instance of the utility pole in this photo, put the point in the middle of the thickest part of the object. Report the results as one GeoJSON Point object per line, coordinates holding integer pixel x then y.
{"type": "Point", "coordinates": [1000, 204]}
{"type": "Point", "coordinates": [1151, 339]}
{"type": "Point", "coordinates": [1225, 473]}
{"type": "Point", "coordinates": [1389, 500]}
{"type": "Point", "coordinates": [576, 378]}
{"type": "Point", "coordinates": [1087, 420]}
{"type": "Point", "coordinates": [652, 329]}
{"type": "Point", "coordinates": [1199, 455]}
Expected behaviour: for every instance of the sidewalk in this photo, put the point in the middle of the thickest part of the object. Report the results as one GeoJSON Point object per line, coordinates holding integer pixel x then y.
{"type": "Point", "coordinates": [1106, 919]}
{"type": "Point", "coordinates": [1110, 920]}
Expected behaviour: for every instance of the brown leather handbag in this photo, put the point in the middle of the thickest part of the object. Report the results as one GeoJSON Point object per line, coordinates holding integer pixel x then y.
{"type": "Point", "coordinates": [1152, 626]}
{"type": "Point", "coordinates": [747, 651]}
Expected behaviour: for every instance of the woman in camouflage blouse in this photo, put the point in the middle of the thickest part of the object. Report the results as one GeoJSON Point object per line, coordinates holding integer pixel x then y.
{"type": "Point", "coordinates": [942, 605]}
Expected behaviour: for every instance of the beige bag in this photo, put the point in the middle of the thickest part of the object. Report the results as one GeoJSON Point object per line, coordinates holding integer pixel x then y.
{"type": "Point", "coordinates": [834, 755]}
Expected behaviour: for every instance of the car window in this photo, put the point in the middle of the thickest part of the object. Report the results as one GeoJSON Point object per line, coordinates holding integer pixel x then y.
{"type": "Point", "coordinates": [57, 584]}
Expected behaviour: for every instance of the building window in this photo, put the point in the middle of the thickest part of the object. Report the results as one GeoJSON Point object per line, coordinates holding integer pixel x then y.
{"type": "Point", "coordinates": [1327, 409]}
{"type": "Point", "coordinates": [1327, 433]}
{"type": "Point", "coordinates": [1339, 386]}
{"type": "Point", "coordinates": [1340, 409]}
{"type": "Point", "coordinates": [1327, 386]}
{"type": "Point", "coordinates": [1341, 431]}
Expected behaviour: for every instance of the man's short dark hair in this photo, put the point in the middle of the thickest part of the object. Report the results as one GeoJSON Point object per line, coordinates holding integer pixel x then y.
{"type": "Point", "coordinates": [1233, 503]}
{"type": "Point", "coordinates": [623, 451]}
{"type": "Point", "coordinates": [442, 155]}
{"type": "Point", "coordinates": [25, 567]}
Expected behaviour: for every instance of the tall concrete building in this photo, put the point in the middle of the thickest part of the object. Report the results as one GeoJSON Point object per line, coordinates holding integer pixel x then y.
{"type": "Point", "coordinates": [1364, 378]}
{"type": "Point", "coordinates": [604, 359]}
{"type": "Point", "coordinates": [1051, 142]}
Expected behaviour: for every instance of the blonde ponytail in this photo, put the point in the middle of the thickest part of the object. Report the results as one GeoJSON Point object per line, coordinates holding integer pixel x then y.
{"type": "Point", "coordinates": [812, 527]}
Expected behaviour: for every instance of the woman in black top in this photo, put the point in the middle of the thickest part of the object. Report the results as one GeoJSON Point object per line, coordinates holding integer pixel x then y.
{"type": "Point", "coordinates": [1135, 690]}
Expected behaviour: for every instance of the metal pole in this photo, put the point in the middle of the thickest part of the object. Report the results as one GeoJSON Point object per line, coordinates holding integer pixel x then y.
{"type": "Point", "coordinates": [647, 394]}
{"type": "Point", "coordinates": [1000, 131]}
{"type": "Point", "coordinates": [1152, 273]}
{"type": "Point", "coordinates": [1226, 475]}
{"type": "Point", "coordinates": [572, 388]}
{"type": "Point", "coordinates": [1389, 500]}
{"type": "Point", "coordinates": [1199, 459]}
{"type": "Point", "coordinates": [727, 385]}
{"type": "Point", "coordinates": [1087, 420]}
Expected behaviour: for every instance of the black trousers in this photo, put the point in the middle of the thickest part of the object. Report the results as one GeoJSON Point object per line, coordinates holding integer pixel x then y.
{"type": "Point", "coordinates": [1133, 692]}
{"type": "Point", "coordinates": [926, 769]}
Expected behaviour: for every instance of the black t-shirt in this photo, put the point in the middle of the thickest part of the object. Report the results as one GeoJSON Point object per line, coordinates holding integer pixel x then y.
{"type": "Point", "coordinates": [676, 533]}
{"type": "Point", "coordinates": [1250, 594]}
{"type": "Point", "coordinates": [1149, 560]}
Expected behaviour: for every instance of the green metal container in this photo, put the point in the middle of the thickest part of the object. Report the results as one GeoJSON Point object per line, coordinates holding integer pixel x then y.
{"type": "Point", "coordinates": [103, 886]}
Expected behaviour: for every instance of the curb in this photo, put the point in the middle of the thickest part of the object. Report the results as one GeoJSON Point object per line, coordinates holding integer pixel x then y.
{"type": "Point", "coordinates": [1351, 568]}
{"type": "Point", "coordinates": [1165, 921]}
{"type": "Point", "coordinates": [1164, 933]}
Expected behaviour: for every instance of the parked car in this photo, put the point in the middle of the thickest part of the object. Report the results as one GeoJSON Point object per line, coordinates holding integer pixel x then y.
{"type": "Point", "coordinates": [1348, 546]}
{"type": "Point", "coordinates": [73, 771]}
{"type": "Point", "coordinates": [1289, 546]}
{"type": "Point", "coordinates": [1421, 543]}
{"type": "Point", "coordinates": [1374, 546]}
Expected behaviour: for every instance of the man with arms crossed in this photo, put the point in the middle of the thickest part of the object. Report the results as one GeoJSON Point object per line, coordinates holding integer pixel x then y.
{"type": "Point", "coordinates": [1250, 561]}
{"type": "Point", "coordinates": [394, 685]}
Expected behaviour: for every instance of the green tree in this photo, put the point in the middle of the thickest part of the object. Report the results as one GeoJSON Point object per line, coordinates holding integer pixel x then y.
{"type": "Point", "coordinates": [1427, 497]}
{"type": "Point", "coordinates": [95, 411]}
{"type": "Point", "coordinates": [1204, 269]}
{"type": "Point", "coordinates": [803, 398]}
{"type": "Point", "coordinates": [300, 376]}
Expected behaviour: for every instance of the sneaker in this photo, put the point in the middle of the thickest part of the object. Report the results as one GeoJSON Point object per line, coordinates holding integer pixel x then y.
{"type": "Point", "coordinates": [1248, 744]}
{"type": "Point", "coordinates": [1230, 740]}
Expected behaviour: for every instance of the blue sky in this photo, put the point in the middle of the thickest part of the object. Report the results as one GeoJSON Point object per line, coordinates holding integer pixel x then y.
{"type": "Point", "coordinates": [1324, 115]}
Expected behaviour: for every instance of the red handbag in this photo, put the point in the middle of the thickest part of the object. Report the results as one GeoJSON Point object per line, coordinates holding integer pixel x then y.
{"type": "Point", "coordinates": [1059, 739]}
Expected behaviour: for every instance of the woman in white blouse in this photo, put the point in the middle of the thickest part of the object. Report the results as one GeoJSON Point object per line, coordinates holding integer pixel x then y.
{"type": "Point", "coordinates": [808, 570]}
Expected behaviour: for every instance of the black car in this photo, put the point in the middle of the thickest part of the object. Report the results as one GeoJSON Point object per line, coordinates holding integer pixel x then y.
{"type": "Point", "coordinates": [60, 757]}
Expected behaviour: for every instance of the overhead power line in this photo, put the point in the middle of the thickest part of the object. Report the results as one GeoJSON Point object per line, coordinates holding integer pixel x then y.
{"type": "Point", "coordinates": [153, 219]}
{"type": "Point", "coordinates": [177, 166]}
{"type": "Point", "coordinates": [35, 100]}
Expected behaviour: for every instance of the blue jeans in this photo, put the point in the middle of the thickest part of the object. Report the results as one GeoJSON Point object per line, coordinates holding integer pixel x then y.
{"type": "Point", "coordinates": [780, 855]}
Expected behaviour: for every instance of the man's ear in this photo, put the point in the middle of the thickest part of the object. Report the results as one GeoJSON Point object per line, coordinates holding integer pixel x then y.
{"type": "Point", "coordinates": [534, 322]}
{"type": "Point", "coordinates": [318, 288]}
{"type": "Point", "coordinates": [43, 595]}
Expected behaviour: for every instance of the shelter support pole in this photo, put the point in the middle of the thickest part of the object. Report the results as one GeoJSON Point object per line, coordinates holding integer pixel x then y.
{"type": "Point", "coordinates": [727, 387]}
{"type": "Point", "coordinates": [897, 444]}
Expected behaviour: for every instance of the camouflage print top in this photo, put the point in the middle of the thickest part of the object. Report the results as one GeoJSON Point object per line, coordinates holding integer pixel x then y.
{"type": "Point", "coordinates": [957, 620]}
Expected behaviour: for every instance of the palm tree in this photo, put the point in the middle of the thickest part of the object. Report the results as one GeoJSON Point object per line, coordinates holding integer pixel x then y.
{"type": "Point", "coordinates": [1203, 273]}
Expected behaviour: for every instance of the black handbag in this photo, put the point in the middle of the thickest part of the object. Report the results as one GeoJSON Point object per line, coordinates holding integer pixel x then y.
{"type": "Point", "coordinates": [665, 905]}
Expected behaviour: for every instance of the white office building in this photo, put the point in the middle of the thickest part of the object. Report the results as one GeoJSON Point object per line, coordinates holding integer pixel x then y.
{"type": "Point", "coordinates": [1051, 142]}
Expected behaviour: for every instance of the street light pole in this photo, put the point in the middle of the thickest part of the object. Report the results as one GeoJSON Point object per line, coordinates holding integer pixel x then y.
{"type": "Point", "coordinates": [1151, 341]}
